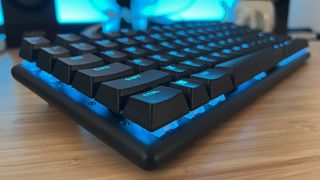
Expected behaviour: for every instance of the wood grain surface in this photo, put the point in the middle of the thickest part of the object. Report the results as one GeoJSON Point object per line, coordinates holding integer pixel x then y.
{"type": "Point", "coordinates": [276, 137]}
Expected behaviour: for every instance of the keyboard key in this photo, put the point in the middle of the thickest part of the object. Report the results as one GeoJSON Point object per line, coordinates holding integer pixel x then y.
{"type": "Point", "coordinates": [82, 48]}
{"type": "Point", "coordinates": [194, 91]}
{"type": "Point", "coordinates": [152, 47]}
{"type": "Point", "coordinates": [168, 45]}
{"type": "Point", "coordinates": [126, 42]}
{"type": "Point", "coordinates": [162, 60]}
{"type": "Point", "coordinates": [195, 66]}
{"type": "Point", "coordinates": [158, 37]}
{"type": "Point", "coordinates": [112, 35]}
{"type": "Point", "coordinates": [177, 70]}
{"type": "Point", "coordinates": [66, 39]}
{"type": "Point", "coordinates": [91, 37]}
{"type": "Point", "coordinates": [143, 39]}
{"type": "Point", "coordinates": [142, 64]}
{"type": "Point", "coordinates": [205, 59]}
{"type": "Point", "coordinates": [128, 32]}
{"type": "Point", "coordinates": [154, 109]}
{"type": "Point", "coordinates": [30, 47]}
{"type": "Point", "coordinates": [104, 45]}
{"type": "Point", "coordinates": [217, 82]}
{"type": "Point", "coordinates": [191, 52]}
{"type": "Point", "coordinates": [65, 68]}
{"type": "Point", "coordinates": [48, 56]}
{"type": "Point", "coordinates": [88, 80]}
{"type": "Point", "coordinates": [178, 56]}
{"type": "Point", "coordinates": [114, 94]}
{"type": "Point", "coordinates": [113, 56]}
{"type": "Point", "coordinates": [135, 52]}
{"type": "Point", "coordinates": [245, 67]}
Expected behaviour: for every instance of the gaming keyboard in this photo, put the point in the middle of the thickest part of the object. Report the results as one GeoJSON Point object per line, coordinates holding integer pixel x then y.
{"type": "Point", "coordinates": [149, 94]}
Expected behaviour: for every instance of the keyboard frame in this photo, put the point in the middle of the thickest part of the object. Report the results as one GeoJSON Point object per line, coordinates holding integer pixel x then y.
{"type": "Point", "coordinates": [145, 156]}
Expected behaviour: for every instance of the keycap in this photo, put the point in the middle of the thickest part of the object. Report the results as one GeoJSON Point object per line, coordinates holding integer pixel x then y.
{"type": "Point", "coordinates": [88, 80]}
{"type": "Point", "coordinates": [126, 42]}
{"type": "Point", "coordinates": [168, 45]}
{"type": "Point", "coordinates": [244, 68]}
{"type": "Point", "coordinates": [65, 68]}
{"type": "Point", "coordinates": [143, 39]}
{"type": "Point", "coordinates": [217, 82]}
{"type": "Point", "coordinates": [135, 52]}
{"type": "Point", "coordinates": [114, 94]}
{"type": "Point", "coordinates": [158, 37]}
{"type": "Point", "coordinates": [82, 48]}
{"type": "Point", "coordinates": [111, 56]}
{"type": "Point", "coordinates": [92, 36]}
{"type": "Point", "coordinates": [177, 70]}
{"type": "Point", "coordinates": [162, 60]}
{"type": "Point", "coordinates": [194, 91]}
{"type": "Point", "coordinates": [66, 39]}
{"type": "Point", "coordinates": [30, 47]}
{"type": "Point", "coordinates": [142, 64]}
{"type": "Point", "coordinates": [178, 55]}
{"type": "Point", "coordinates": [210, 62]}
{"type": "Point", "coordinates": [152, 47]}
{"type": "Point", "coordinates": [195, 66]}
{"type": "Point", "coordinates": [112, 35]}
{"type": "Point", "coordinates": [156, 108]}
{"type": "Point", "coordinates": [105, 44]}
{"type": "Point", "coordinates": [128, 32]}
{"type": "Point", "coordinates": [191, 52]}
{"type": "Point", "coordinates": [48, 56]}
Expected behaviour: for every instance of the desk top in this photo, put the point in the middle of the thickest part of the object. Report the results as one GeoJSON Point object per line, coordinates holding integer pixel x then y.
{"type": "Point", "coordinates": [276, 137]}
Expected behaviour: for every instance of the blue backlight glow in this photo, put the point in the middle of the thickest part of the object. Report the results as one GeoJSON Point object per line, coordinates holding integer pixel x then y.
{"type": "Point", "coordinates": [144, 136]}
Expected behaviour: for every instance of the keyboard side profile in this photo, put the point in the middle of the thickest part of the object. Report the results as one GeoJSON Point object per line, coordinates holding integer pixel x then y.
{"type": "Point", "coordinates": [192, 87]}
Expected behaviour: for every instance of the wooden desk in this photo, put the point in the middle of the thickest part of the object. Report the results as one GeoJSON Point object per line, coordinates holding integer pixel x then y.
{"type": "Point", "coordinates": [276, 137]}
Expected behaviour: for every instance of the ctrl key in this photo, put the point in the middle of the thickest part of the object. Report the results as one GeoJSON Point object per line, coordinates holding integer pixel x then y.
{"type": "Point", "coordinates": [156, 108]}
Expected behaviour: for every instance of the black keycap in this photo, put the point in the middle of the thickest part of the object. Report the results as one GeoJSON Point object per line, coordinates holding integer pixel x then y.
{"type": "Point", "coordinates": [66, 39]}
{"type": "Point", "coordinates": [245, 67]}
{"type": "Point", "coordinates": [162, 60]}
{"type": "Point", "coordinates": [142, 64]}
{"type": "Point", "coordinates": [65, 68]}
{"type": "Point", "coordinates": [219, 57]}
{"type": "Point", "coordinates": [112, 35]}
{"type": "Point", "coordinates": [177, 70]}
{"type": "Point", "coordinates": [195, 66]}
{"type": "Point", "coordinates": [152, 47]}
{"type": "Point", "coordinates": [194, 91]}
{"type": "Point", "coordinates": [181, 42]}
{"type": "Point", "coordinates": [48, 56]}
{"type": "Point", "coordinates": [92, 36]}
{"type": "Point", "coordinates": [88, 80]}
{"type": "Point", "coordinates": [105, 44]}
{"type": "Point", "coordinates": [30, 47]}
{"type": "Point", "coordinates": [135, 52]}
{"type": "Point", "coordinates": [204, 48]}
{"type": "Point", "coordinates": [191, 52]}
{"type": "Point", "coordinates": [128, 32]}
{"type": "Point", "coordinates": [113, 56]}
{"type": "Point", "coordinates": [126, 42]}
{"type": "Point", "coordinates": [114, 94]}
{"type": "Point", "coordinates": [168, 45]}
{"type": "Point", "coordinates": [143, 39]}
{"type": "Point", "coordinates": [82, 48]}
{"type": "Point", "coordinates": [205, 59]}
{"type": "Point", "coordinates": [217, 82]}
{"type": "Point", "coordinates": [178, 55]}
{"type": "Point", "coordinates": [158, 37]}
{"type": "Point", "coordinates": [156, 108]}
{"type": "Point", "coordinates": [170, 35]}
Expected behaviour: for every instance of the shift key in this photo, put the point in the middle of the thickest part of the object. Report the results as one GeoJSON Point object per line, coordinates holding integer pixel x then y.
{"type": "Point", "coordinates": [114, 94]}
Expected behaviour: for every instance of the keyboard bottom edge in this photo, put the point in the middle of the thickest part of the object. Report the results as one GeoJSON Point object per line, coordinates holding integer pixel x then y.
{"type": "Point", "coordinates": [150, 156]}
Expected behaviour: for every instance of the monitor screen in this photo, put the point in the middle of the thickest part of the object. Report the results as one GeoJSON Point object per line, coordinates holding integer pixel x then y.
{"type": "Point", "coordinates": [91, 11]}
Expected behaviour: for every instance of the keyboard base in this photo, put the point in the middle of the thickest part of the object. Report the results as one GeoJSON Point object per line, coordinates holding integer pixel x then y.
{"type": "Point", "coordinates": [148, 156]}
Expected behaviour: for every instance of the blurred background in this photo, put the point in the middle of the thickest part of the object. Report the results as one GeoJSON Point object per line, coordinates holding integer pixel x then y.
{"type": "Point", "coordinates": [20, 18]}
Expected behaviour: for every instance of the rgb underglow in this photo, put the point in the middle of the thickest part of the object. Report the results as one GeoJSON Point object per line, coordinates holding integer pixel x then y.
{"type": "Point", "coordinates": [1, 15]}
{"type": "Point", "coordinates": [144, 136]}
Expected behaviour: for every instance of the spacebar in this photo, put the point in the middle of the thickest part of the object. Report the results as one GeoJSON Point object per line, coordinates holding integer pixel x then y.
{"type": "Point", "coordinates": [244, 68]}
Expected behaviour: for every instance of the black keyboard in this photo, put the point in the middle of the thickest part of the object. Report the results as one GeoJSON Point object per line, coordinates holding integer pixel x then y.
{"type": "Point", "coordinates": [149, 94]}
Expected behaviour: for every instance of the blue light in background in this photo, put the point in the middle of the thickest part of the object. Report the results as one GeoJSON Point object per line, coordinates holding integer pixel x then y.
{"type": "Point", "coordinates": [91, 11]}
{"type": "Point", "coordinates": [1, 15]}
{"type": "Point", "coordinates": [82, 11]}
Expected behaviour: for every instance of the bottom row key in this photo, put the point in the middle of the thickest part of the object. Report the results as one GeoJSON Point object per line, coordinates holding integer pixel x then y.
{"type": "Point", "coordinates": [156, 108]}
